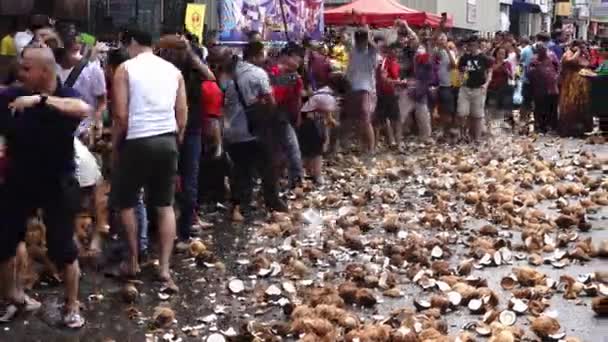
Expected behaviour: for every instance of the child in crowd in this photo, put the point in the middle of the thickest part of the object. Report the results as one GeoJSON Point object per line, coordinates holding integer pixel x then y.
{"type": "Point", "coordinates": [317, 119]}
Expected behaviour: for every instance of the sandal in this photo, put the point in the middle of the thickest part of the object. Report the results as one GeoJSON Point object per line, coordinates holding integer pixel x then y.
{"type": "Point", "coordinates": [121, 273]}
{"type": "Point", "coordinates": [8, 313]}
{"type": "Point", "coordinates": [29, 304]}
{"type": "Point", "coordinates": [168, 286]}
{"type": "Point", "coordinates": [11, 310]}
{"type": "Point", "coordinates": [73, 320]}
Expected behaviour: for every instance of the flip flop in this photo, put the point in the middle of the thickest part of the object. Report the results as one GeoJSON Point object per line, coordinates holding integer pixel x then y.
{"type": "Point", "coordinates": [8, 313]}
{"type": "Point", "coordinates": [11, 310]}
{"type": "Point", "coordinates": [168, 286]}
{"type": "Point", "coordinates": [121, 273]}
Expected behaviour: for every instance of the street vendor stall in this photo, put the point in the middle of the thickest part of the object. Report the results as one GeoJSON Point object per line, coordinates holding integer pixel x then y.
{"type": "Point", "coordinates": [380, 13]}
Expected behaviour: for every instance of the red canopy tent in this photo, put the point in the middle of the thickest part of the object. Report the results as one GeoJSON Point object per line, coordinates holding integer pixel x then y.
{"type": "Point", "coordinates": [380, 13]}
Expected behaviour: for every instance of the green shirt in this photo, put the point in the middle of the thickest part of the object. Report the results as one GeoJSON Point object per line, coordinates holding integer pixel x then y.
{"type": "Point", "coordinates": [602, 70]}
{"type": "Point", "coordinates": [87, 39]}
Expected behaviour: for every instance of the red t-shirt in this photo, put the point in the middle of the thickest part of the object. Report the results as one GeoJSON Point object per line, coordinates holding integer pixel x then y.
{"type": "Point", "coordinates": [391, 67]}
{"type": "Point", "coordinates": [287, 89]}
{"type": "Point", "coordinates": [212, 100]}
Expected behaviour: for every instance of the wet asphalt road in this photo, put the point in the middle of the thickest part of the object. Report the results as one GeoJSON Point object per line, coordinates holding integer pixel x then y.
{"type": "Point", "coordinates": [203, 289]}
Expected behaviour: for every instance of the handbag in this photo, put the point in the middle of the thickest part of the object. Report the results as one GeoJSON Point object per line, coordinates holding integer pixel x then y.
{"type": "Point", "coordinates": [254, 113]}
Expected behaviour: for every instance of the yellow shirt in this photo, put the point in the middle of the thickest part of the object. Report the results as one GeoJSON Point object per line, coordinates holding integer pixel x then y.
{"type": "Point", "coordinates": [7, 46]}
{"type": "Point", "coordinates": [340, 56]}
{"type": "Point", "coordinates": [456, 77]}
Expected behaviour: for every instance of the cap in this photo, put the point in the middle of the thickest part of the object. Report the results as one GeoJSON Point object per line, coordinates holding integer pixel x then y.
{"type": "Point", "coordinates": [320, 102]}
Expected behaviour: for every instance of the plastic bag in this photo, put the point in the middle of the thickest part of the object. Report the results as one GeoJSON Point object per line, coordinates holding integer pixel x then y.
{"type": "Point", "coordinates": [518, 97]}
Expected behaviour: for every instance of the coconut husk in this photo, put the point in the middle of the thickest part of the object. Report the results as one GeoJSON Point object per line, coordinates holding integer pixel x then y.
{"type": "Point", "coordinates": [600, 306]}
{"type": "Point", "coordinates": [544, 326]}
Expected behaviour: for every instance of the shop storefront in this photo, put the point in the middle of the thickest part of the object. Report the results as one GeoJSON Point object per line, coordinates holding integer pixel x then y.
{"type": "Point", "coordinates": [598, 27]}
{"type": "Point", "coordinates": [525, 17]}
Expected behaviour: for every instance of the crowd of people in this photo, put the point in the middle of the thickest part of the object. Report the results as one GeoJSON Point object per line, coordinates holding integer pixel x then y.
{"type": "Point", "coordinates": [124, 135]}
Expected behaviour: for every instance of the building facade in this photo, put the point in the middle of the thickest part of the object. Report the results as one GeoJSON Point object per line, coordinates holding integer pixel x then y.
{"type": "Point", "coordinates": [106, 16]}
{"type": "Point", "coordinates": [529, 17]}
{"type": "Point", "coordinates": [599, 19]}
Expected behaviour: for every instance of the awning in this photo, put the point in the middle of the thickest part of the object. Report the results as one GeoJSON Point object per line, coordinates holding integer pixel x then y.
{"type": "Point", "coordinates": [380, 13]}
{"type": "Point", "coordinates": [521, 6]}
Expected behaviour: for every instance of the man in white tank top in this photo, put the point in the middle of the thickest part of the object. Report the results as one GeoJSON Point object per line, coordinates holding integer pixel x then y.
{"type": "Point", "coordinates": [150, 113]}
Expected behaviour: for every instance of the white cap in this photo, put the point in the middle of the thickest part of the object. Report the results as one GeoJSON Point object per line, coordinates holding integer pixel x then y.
{"type": "Point", "coordinates": [320, 102]}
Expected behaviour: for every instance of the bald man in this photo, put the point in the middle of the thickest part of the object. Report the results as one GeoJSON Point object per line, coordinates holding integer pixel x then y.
{"type": "Point", "coordinates": [38, 120]}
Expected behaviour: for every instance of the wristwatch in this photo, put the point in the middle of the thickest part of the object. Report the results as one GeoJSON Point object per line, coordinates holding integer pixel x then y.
{"type": "Point", "coordinates": [43, 99]}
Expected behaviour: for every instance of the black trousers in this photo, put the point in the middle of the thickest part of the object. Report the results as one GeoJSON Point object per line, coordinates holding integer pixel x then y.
{"type": "Point", "coordinates": [247, 159]}
{"type": "Point", "coordinates": [60, 201]}
{"type": "Point", "coordinates": [545, 112]}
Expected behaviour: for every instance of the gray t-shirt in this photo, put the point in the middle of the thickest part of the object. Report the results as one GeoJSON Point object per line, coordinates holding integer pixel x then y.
{"type": "Point", "coordinates": [361, 71]}
{"type": "Point", "coordinates": [444, 69]}
{"type": "Point", "coordinates": [253, 83]}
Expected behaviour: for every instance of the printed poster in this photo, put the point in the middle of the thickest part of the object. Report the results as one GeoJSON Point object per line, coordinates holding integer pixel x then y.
{"type": "Point", "coordinates": [195, 19]}
{"type": "Point", "coordinates": [238, 17]}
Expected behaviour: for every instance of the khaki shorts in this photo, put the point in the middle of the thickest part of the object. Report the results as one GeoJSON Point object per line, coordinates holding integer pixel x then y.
{"type": "Point", "coordinates": [409, 110]}
{"type": "Point", "coordinates": [471, 102]}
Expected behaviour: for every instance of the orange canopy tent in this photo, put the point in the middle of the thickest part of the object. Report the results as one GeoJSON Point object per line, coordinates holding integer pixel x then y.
{"type": "Point", "coordinates": [380, 13]}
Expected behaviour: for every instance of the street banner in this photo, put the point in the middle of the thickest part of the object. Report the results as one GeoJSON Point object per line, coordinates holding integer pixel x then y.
{"type": "Point", "coordinates": [302, 17]}
{"type": "Point", "coordinates": [195, 19]}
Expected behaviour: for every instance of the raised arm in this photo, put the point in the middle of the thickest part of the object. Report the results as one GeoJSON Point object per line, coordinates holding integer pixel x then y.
{"type": "Point", "coordinates": [198, 64]}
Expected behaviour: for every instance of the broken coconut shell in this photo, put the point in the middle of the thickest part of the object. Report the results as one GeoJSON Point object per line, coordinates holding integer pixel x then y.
{"type": "Point", "coordinates": [236, 286]}
{"type": "Point", "coordinates": [422, 304]}
{"type": "Point", "coordinates": [507, 318]}
{"type": "Point", "coordinates": [196, 248]}
{"type": "Point", "coordinates": [476, 306]}
{"type": "Point", "coordinates": [518, 306]}
{"type": "Point", "coordinates": [508, 283]}
{"type": "Point", "coordinates": [163, 316]}
{"type": "Point", "coordinates": [455, 298]}
{"type": "Point", "coordinates": [543, 326]}
{"type": "Point", "coordinates": [600, 306]}
{"type": "Point", "coordinates": [129, 293]}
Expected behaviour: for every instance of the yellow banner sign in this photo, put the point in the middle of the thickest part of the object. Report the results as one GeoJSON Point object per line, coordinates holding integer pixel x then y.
{"type": "Point", "coordinates": [195, 19]}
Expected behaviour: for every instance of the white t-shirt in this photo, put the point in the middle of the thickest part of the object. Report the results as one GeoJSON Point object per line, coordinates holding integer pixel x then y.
{"type": "Point", "coordinates": [88, 172]}
{"type": "Point", "coordinates": [361, 71]}
{"type": "Point", "coordinates": [22, 39]}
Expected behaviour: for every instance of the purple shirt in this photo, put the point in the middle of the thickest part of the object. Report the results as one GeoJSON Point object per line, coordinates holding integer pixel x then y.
{"type": "Point", "coordinates": [90, 84]}
{"type": "Point", "coordinates": [543, 75]}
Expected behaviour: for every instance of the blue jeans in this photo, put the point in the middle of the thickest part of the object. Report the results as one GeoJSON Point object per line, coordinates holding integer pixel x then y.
{"type": "Point", "coordinates": [189, 161]}
{"type": "Point", "coordinates": [289, 141]}
{"type": "Point", "coordinates": [141, 215]}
